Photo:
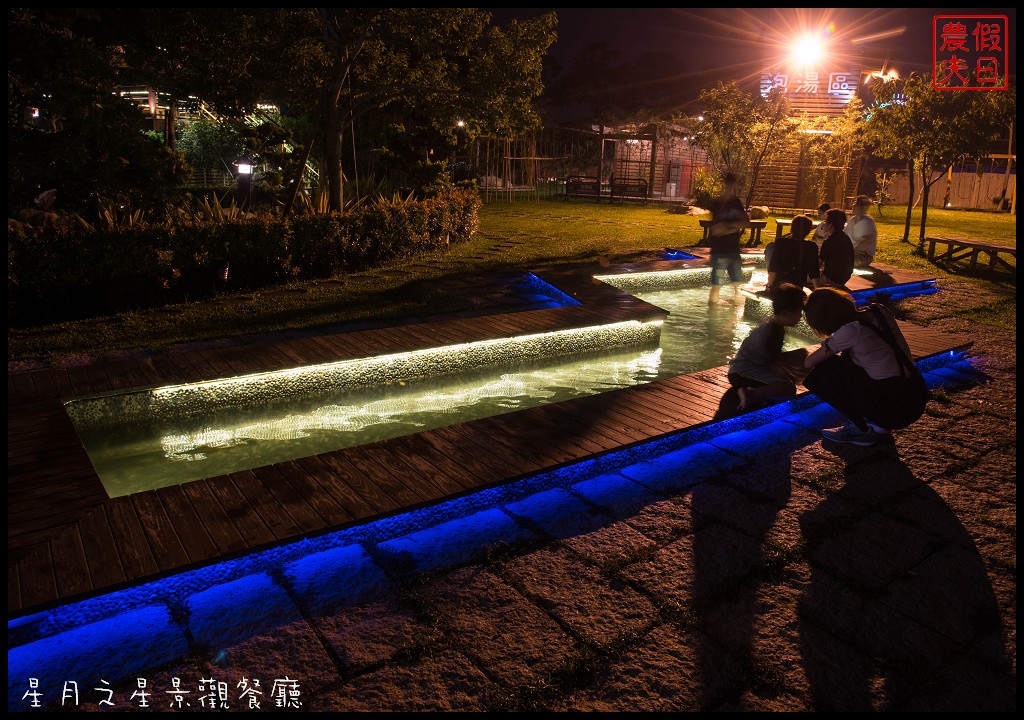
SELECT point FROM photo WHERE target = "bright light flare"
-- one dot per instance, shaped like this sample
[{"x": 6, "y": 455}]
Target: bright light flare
[{"x": 808, "y": 51}]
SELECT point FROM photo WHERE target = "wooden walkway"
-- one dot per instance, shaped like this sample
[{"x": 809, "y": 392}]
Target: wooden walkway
[{"x": 67, "y": 540}]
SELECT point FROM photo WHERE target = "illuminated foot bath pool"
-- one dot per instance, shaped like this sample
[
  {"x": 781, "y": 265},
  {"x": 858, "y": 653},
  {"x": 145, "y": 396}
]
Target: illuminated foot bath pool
[{"x": 171, "y": 435}]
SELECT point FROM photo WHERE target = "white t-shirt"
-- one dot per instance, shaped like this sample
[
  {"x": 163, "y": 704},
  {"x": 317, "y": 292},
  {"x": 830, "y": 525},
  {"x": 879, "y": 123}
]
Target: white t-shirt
[
  {"x": 868, "y": 349},
  {"x": 863, "y": 234},
  {"x": 819, "y": 234}
]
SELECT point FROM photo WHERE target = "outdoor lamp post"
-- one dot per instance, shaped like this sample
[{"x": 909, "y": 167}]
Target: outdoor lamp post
[{"x": 244, "y": 165}]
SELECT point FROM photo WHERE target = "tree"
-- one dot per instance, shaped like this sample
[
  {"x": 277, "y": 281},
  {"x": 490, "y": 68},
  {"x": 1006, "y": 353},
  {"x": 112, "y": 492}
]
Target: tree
[
  {"x": 831, "y": 144},
  {"x": 424, "y": 68},
  {"x": 740, "y": 131},
  {"x": 66, "y": 128},
  {"x": 931, "y": 129},
  {"x": 417, "y": 70}
]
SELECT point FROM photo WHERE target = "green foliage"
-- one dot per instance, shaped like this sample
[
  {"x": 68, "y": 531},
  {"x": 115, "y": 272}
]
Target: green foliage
[
  {"x": 828, "y": 143},
  {"x": 931, "y": 129},
  {"x": 213, "y": 210},
  {"x": 741, "y": 131},
  {"x": 413, "y": 73},
  {"x": 883, "y": 181},
  {"x": 112, "y": 217},
  {"x": 316, "y": 205},
  {"x": 85, "y": 141},
  {"x": 122, "y": 262},
  {"x": 210, "y": 144},
  {"x": 321, "y": 245},
  {"x": 72, "y": 274},
  {"x": 706, "y": 187}
]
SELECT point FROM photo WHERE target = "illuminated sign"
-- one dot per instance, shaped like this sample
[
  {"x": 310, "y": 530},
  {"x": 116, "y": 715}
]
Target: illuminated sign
[
  {"x": 970, "y": 52},
  {"x": 840, "y": 86}
]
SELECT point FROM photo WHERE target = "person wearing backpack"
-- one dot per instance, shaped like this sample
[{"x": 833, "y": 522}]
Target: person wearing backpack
[{"x": 863, "y": 368}]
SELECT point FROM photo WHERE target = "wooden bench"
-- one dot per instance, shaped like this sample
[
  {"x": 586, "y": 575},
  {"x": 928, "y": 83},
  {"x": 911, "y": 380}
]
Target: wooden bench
[
  {"x": 583, "y": 186},
  {"x": 960, "y": 248},
  {"x": 784, "y": 226},
  {"x": 629, "y": 190},
  {"x": 755, "y": 227}
]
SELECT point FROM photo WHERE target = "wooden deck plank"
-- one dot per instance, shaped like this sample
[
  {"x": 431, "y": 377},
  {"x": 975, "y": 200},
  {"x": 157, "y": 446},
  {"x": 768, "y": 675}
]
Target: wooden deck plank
[
  {"x": 70, "y": 567},
  {"x": 573, "y": 432},
  {"x": 218, "y": 363},
  {"x": 444, "y": 470},
  {"x": 36, "y": 576},
  {"x": 333, "y": 349},
  {"x": 603, "y": 422},
  {"x": 297, "y": 507},
  {"x": 22, "y": 384},
  {"x": 222, "y": 532},
  {"x": 314, "y": 352},
  {"x": 421, "y": 477},
  {"x": 653, "y": 424},
  {"x": 248, "y": 523},
  {"x": 273, "y": 515},
  {"x": 581, "y": 432},
  {"x": 80, "y": 381},
  {"x": 344, "y": 346},
  {"x": 287, "y": 349},
  {"x": 276, "y": 359},
  {"x": 321, "y": 499},
  {"x": 160, "y": 530},
  {"x": 467, "y": 458},
  {"x": 101, "y": 556},
  {"x": 175, "y": 369},
  {"x": 519, "y": 430},
  {"x": 394, "y": 489},
  {"x": 136, "y": 374},
  {"x": 61, "y": 380},
  {"x": 348, "y": 485},
  {"x": 617, "y": 405},
  {"x": 659, "y": 395},
  {"x": 196, "y": 366},
  {"x": 190, "y": 529},
  {"x": 493, "y": 454},
  {"x": 13, "y": 587}
]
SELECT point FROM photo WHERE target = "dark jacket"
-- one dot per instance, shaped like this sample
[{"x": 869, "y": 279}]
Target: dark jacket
[
  {"x": 794, "y": 261},
  {"x": 837, "y": 257}
]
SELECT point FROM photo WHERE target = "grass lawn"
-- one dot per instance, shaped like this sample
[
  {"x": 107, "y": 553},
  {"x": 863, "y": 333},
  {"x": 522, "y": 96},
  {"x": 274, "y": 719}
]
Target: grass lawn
[{"x": 513, "y": 237}]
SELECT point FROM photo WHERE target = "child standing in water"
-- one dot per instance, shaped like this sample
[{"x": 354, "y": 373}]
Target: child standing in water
[{"x": 756, "y": 371}]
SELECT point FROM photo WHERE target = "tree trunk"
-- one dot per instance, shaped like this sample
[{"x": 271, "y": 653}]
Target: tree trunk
[
  {"x": 170, "y": 125},
  {"x": 910, "y": 201},
  {"x": 328, "y": 101},
  {"x": 924, "y": 206},
  {"x": 334, "y": 132}
]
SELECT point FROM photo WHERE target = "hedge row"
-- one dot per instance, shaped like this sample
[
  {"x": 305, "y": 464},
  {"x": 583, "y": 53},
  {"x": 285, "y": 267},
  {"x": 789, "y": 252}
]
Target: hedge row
[{"x": 75, "y": 273}]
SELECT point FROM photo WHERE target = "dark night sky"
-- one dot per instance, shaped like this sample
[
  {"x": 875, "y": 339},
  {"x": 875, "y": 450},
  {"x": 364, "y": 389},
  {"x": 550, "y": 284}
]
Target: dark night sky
[{"x": 736, "y": 41}]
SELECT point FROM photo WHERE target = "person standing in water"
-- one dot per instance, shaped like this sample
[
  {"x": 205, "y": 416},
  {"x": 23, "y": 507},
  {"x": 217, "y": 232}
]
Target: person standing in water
[{"x": 728, "y": 220}]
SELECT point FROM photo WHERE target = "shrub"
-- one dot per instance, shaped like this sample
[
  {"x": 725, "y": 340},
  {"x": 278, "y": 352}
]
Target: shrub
[
  {"x": 122, "y": 262},
  {"x": 705, "y": 189},
  {"x": 320, "y": 245}
]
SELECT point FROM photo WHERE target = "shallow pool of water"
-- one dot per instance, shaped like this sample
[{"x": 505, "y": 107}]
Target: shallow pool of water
[{"x": 157, "y": 449}]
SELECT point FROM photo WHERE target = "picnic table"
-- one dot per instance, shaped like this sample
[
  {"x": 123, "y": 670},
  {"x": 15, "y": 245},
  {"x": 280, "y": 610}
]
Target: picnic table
[
  {"x": 960, "y": 248},
  {"x": 782, "y": 226},
  {"x": 755, "y": 227}
]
